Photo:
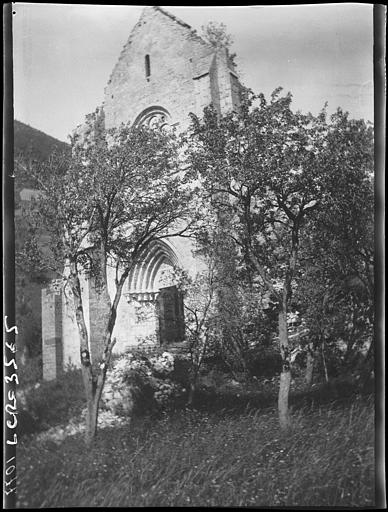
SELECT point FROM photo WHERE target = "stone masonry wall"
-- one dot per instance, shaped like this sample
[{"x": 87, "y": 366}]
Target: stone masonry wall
[
  {"x": 127, "y": 330},
  {"x": 52, "y": 352},
  {"x": 180, "y": 63}
]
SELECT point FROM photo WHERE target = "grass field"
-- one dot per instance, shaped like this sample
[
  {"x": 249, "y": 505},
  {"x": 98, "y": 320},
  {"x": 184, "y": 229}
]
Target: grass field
[{"x": 197, "y": 458}]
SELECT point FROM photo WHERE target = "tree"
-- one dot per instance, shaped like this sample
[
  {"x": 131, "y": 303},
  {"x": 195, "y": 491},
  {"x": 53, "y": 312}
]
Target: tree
[
  {"x": 200, "y": 298},
  {"x": 101, "y": 208},
  {"x": 350, "y": 191},
  {"x": 202, "y": 291},
  {"x": 338, "y": 288},
  {"x": 267, "y": 166},
  {"x": 221, "y": 302},
  {"x": 217, "y": 36}
]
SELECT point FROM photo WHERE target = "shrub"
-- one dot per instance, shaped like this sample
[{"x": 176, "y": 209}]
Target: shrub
[
  {"x": 141, "y": 382},
  {"x": 26, "y": 424},
  {"x": 264, "y": 361},
  {"x": 182, "y": 369}
]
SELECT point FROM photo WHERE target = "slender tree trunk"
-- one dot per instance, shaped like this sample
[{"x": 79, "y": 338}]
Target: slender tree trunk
[
  {"x": 324, "y": 361},
  {"x": 351, "y": 342},
  {"x": 367, "y": 366},
  {"x": 285, "y": 376},
  {"x": 91, "y": 419},
  {"x": 193, "y": 380},
  {"x": 100, "y": 281},
  {"x": 370, "y": 350},
  {"x": 309, "y": 365},
  {"x": 86, "y": 366},
  {"x": 196, "y": 362},
  {"x": 99, "y": 380},
  {"x": 94, "y": 381},
  {"x": 192, "y": 391}
]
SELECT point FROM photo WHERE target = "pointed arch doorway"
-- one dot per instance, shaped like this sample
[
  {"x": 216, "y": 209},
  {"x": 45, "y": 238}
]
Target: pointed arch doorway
[
  {"x": 170, "y": 314},
  {"x": 157, "y": 304}
]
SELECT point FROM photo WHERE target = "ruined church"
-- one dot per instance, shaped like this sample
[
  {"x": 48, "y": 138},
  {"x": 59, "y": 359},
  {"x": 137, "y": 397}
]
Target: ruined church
[{"x": 164, "y": 72}]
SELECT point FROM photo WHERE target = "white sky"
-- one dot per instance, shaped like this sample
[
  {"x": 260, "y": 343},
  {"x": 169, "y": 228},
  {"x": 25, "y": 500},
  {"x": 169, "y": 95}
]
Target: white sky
[{"x": 64, "y": 55}]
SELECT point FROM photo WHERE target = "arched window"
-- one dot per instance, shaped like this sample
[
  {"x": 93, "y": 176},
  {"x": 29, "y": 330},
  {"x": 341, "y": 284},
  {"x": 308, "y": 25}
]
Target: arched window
[
  {"x": 147, "y": 63},
  {"x": 153, "y": 117}
]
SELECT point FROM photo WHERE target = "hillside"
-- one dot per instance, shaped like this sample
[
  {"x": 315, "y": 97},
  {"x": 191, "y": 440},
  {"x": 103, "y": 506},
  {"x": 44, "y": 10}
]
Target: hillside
[
  {"x": 30, "y": 144},
  {"x": 37, "y": 145}
]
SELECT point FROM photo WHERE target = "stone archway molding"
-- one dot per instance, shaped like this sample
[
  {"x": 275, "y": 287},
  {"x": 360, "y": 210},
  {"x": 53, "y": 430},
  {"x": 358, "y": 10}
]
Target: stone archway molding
[
  {"x": 153, "y": 116},
  {"x": 142, "y": 279}
]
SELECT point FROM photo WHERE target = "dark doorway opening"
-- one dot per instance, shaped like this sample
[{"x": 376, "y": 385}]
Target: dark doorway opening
[{"x": 171, "y": 315}]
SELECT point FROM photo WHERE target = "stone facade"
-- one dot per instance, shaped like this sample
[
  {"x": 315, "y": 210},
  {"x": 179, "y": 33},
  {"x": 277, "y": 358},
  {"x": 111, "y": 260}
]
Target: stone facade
[
  {"x": 185, "y": 73},
  {"x": 52, "y": 339},
  {"x": 165, "y": 72}
]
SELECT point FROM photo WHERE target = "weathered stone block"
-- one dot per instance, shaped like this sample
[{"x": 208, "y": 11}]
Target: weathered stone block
[{"x": 52, "y": 353}]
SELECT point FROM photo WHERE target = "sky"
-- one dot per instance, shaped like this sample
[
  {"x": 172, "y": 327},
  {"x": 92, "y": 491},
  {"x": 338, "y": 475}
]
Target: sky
[{"x": 64, "y": 54}]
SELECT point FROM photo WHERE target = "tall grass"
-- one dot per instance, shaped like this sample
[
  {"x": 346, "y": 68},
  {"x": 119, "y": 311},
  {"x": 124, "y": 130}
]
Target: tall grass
[
  {"x": 195, "y": 458},
  {"x": 52, "y": 403}
]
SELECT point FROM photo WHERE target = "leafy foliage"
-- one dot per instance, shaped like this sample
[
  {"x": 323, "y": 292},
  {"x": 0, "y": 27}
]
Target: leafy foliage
[
  {"x": 265, "y": 159},
  {"x": 101, "y": 207},
  {"x": 108, "y": 192},
  {"x": 141, "y": 382},
  {"x": 276, "y": 177},
  {"x": 217, "y": 36},
  {"x": 337, "y": 289}
]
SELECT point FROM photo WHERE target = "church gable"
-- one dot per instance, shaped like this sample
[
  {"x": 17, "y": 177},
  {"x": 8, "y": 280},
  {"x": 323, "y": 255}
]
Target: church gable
[
  {"x": 164, "y": 64},
  {"x": 164, "y": 72}
]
